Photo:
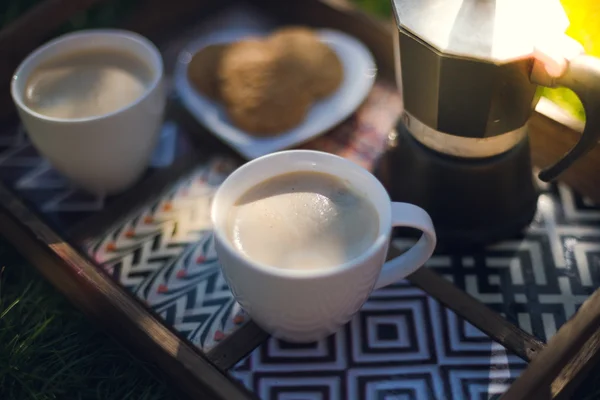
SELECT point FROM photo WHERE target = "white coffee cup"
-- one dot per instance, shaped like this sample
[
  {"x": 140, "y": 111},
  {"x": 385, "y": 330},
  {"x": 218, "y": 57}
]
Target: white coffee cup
[
  {"x": 307, "y": 305},
  {"x": 104, "y": 154}
]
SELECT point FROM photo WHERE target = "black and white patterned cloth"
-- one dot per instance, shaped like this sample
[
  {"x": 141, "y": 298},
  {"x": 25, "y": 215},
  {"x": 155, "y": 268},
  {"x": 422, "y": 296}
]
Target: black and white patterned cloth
[
  {"x": 537, "y": 281},
  {"x": 402, "y": 345}
]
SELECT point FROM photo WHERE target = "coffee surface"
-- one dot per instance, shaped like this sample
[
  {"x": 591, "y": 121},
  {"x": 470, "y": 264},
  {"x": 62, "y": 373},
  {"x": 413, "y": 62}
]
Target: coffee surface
[
  {"x": 87, "y": 83},
  {"x": 303, "y": 220}
]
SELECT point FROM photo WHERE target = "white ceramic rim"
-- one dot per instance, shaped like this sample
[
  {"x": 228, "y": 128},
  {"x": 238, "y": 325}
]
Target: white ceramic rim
[
  {"x": 385, "y": 224},
  {"x": 125, "y": 35}
]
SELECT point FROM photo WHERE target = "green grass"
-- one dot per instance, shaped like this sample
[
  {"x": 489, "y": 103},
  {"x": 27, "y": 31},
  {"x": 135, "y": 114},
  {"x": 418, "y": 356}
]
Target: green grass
[{"x": 49, "y": 350}]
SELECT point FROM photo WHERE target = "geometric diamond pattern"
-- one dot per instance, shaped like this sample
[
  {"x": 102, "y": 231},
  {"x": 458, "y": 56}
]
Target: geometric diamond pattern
[
  {"x": 537, "y": 281},
  {"x": 401, "y": 345}
]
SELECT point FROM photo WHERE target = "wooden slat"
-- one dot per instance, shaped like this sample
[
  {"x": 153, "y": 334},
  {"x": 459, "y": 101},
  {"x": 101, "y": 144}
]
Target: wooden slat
[
  {"x": 524, "y": 345},
  {"x": 488, "y": 321},
  {"x": 535, "y": 382},
  {"x": 577, "y": 369},
  {"x": 237, "y": 345}
]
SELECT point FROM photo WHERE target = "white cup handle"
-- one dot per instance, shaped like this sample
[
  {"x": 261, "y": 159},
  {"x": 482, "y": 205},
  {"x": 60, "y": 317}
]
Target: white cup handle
[{"x": 409, "y": 215}]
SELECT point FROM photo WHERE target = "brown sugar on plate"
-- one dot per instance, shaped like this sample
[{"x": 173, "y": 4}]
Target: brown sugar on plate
[
  {"x": 318, "y": 63},
  {"x": 267, "y": 84},
  {"x": 262, "y": 90}
]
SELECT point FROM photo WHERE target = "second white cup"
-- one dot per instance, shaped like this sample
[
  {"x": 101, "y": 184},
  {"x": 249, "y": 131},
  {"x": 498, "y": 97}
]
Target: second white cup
[{"x": 108, "y": 153}]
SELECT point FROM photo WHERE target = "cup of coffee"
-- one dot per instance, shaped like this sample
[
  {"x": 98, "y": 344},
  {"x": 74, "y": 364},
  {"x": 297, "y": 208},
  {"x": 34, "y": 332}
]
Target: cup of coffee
[
  {"x": 302, "y": 237},
  {"x": 92, "y": 103}
]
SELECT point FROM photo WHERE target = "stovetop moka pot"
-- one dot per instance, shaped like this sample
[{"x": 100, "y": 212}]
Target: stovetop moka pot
[{"x": 469, "y": 71}]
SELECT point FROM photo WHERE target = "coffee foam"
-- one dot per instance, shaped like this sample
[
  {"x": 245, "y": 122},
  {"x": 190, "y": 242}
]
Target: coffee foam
[
  {"x": 302, "y": 220},
  {"x": 86, "y": 84}
]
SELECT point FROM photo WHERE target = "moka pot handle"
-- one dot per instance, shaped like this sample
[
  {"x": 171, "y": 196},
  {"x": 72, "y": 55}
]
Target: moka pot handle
[{"x": 581, "y": 74}]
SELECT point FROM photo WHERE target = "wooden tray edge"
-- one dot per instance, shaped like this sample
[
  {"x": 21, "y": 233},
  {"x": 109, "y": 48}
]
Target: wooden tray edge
[
  {"x": 551, "y": 373},
  {"x": 114, "y": 310}
]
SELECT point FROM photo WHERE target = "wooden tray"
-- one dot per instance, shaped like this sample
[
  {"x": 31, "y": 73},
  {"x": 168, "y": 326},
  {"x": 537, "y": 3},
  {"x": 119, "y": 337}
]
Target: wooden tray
[{"x": 142, "y": 265}]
